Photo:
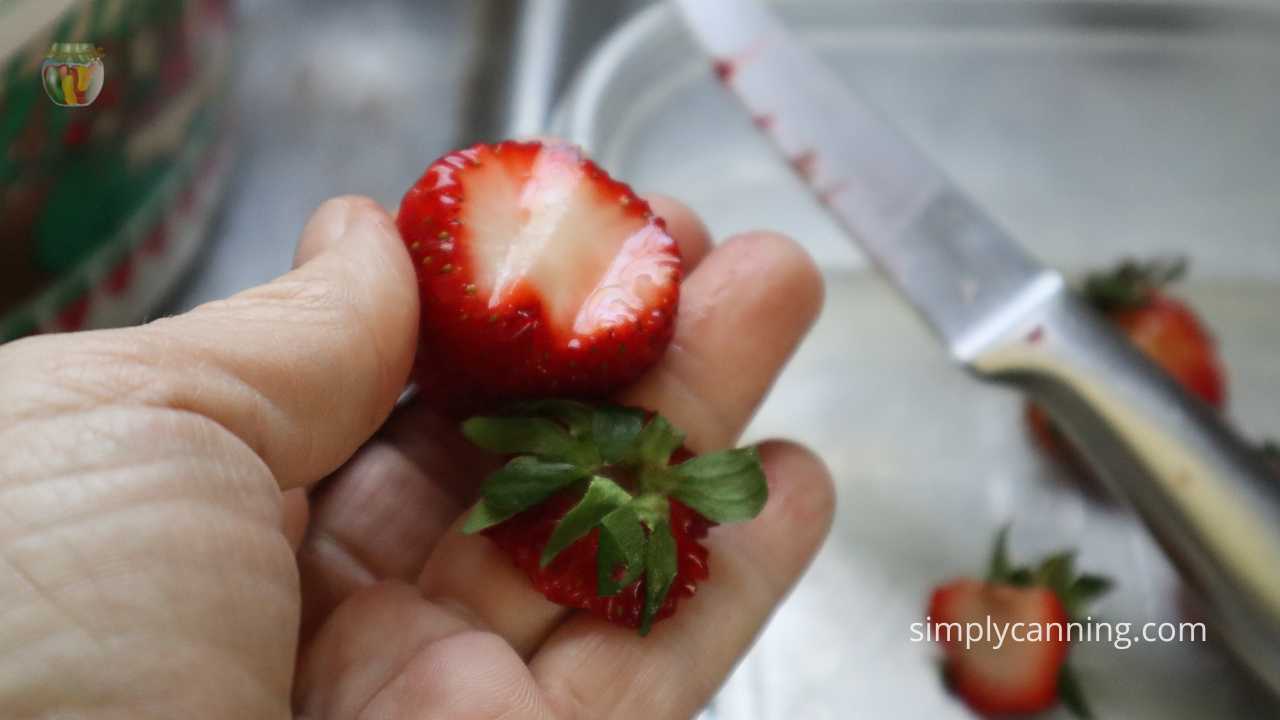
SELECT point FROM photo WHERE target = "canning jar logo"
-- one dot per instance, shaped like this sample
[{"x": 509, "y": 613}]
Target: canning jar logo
[{"x": 73, "y": 74}]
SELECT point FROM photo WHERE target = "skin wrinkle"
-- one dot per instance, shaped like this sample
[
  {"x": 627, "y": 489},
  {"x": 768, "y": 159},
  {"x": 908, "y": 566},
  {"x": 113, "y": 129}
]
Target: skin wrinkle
[
  {"x": 331, "y": 301},
  {"x": 711, "y": 413},
  {"x": 109, "y": 364},
  {"x": 54, "y": 477},
  {"x": 327, "y": 543},
  {"x": 50, "y": 598},
  {"x": 169, "y": 381},
  {"x": 436, "y": 664},
  {"x": 256, "y": 408},
  {"x": 377, "y": 466},
  {"x": 525, "y": 646},
  {"x": 386, "y": 598},
  {"x": 234, "y": 524},
  {"x": 568, "y": 699},
  {"x": 409, "y": 298},
  {"x": 247, "y": 511}
]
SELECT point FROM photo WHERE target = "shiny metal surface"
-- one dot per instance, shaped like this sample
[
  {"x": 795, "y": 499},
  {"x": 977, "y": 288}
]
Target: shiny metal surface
[
  {"x": 336, "y": 97},
  {"x": 1091, "y": 130},
  {"x": 331, "y": 98},
  {"x": 1208, "y": 497},
  {"x": 959, "y": 269}
]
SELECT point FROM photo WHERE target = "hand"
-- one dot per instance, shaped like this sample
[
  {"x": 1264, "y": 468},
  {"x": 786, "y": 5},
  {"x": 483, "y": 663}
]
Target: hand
[{"x": 194, "y": 520}]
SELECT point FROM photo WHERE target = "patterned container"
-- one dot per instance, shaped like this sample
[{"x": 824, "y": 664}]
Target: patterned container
[{"x": 113, "y": 151}]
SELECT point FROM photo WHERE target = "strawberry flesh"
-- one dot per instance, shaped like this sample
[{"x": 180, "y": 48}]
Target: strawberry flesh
[
  {"x": 570, "y": 579},
  {"x": 539, "y": 275},
  {"x": 1019, "y": 677},
  {"x": 1171, "y": 334}
]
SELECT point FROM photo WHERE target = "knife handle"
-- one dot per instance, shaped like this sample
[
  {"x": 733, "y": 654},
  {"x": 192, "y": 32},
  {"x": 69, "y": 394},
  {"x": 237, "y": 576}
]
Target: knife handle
[{"x": 1207, "y": 496}]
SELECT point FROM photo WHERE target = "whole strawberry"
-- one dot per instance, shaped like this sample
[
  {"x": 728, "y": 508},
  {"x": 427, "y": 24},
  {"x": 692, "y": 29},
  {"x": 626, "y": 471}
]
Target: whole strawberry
[
  {"x": 1167, "y": 330},
  {"x": 604, "y": 507},
  {"x": 1000, "y": 674},
  {"x": 539, "y": 276}
]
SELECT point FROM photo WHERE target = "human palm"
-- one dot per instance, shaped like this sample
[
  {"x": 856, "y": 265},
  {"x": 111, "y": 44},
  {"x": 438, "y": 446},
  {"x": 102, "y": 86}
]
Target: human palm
[{"x": 171, "y": 549}]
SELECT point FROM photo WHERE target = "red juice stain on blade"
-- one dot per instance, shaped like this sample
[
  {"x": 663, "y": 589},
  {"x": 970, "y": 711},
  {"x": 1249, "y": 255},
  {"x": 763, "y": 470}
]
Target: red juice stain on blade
[
  {"x": 763, "y": 122},
  {"x": 723, "y": 69},
  {"x": 726, "y": 67},
  {"x": 830, "y": 193},
  {"x": 805, "y": 164}
]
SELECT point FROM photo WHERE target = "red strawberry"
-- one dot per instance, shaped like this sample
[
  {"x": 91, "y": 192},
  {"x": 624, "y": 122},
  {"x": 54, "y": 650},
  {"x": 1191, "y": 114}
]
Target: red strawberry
[
  {"x": 539, "y": 276},
  {"x": 1133, "y": 298},
  {"x": 1012, "y": 668},
  {"x": 604, "y": 508},
  {"x": 1019, "y": 677},
  {"x": 571, "y": 578}
]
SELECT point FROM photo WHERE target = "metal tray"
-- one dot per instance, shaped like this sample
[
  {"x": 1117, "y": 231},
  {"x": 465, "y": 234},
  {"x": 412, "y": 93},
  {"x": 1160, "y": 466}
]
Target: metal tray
[{"x": 1093, "y": 131}]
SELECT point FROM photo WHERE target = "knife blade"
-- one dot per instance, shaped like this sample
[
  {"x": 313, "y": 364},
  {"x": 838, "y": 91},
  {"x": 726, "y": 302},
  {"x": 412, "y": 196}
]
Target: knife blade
[
  {"x": 1206, "y": 494},
  {"x": 959, "y": 269}
]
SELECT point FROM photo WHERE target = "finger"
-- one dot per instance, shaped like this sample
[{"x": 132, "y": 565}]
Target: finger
[
  {"x": 381, "y": 514},
  {"x": 591, "y": 669},
  {"x": 685, "y": 227},
  {"x": 743, "y": 313},
  {"x": 302, "y": 369},
  {"x": 388, "y": 653},
  {"x": 733, "y": 335},
  {"x": 295, "y": 511}
]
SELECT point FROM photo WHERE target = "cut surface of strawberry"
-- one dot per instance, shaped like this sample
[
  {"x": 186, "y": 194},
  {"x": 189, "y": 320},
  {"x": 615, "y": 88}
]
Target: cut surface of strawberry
[
  {"x": 604, "y": 508},
  {"x": 539, "y": 275},
  {"x": 1015, "y": 677},
  {"x": 1017, "y": 663}
]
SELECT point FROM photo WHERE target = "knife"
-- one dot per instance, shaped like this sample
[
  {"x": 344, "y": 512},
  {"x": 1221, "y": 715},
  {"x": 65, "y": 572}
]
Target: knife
[{"x": 1208, "y": 497}]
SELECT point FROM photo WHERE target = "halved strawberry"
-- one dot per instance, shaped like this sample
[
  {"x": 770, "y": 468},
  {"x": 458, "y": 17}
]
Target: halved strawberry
[
  {"x": 539, "y": 276},
  {"x": 1018, "y": 677},
  {"x": 604, "y": 508},
  {"x": 1006, "y": 671},
  {"x": 1167, "y": 330}
]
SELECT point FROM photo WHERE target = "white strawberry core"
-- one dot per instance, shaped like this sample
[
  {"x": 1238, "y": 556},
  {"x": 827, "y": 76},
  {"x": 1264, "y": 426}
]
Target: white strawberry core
[{"x": 594, "y": 263}]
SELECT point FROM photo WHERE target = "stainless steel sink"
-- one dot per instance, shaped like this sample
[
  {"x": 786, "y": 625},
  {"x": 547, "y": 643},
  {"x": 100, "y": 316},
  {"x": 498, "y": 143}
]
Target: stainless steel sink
[
  {"x": 338, "y": 97},
  {"x": 1092, "y": 130}
]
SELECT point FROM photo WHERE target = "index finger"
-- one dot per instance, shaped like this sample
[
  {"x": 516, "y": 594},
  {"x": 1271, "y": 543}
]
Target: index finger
[{"x": 742, "y": 314}]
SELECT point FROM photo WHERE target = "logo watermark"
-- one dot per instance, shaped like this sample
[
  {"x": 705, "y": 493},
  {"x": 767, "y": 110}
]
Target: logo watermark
[
  {"x": 73, "y": 74},
  {"x": 994, "y": 634}
]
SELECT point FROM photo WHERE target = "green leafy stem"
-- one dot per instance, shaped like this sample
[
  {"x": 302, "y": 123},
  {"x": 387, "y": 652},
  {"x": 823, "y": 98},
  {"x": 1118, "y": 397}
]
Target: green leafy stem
[{"x": 618, "y": 458}]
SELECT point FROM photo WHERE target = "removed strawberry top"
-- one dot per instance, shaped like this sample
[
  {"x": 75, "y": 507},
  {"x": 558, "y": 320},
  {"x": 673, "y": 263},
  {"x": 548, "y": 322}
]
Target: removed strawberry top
[
  {"x": 539, "y": 275},
  {"x": 604, "y": 507}
]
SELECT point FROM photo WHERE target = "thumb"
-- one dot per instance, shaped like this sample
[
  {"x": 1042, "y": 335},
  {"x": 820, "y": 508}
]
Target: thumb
[{"x": 303, "y": 369}]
